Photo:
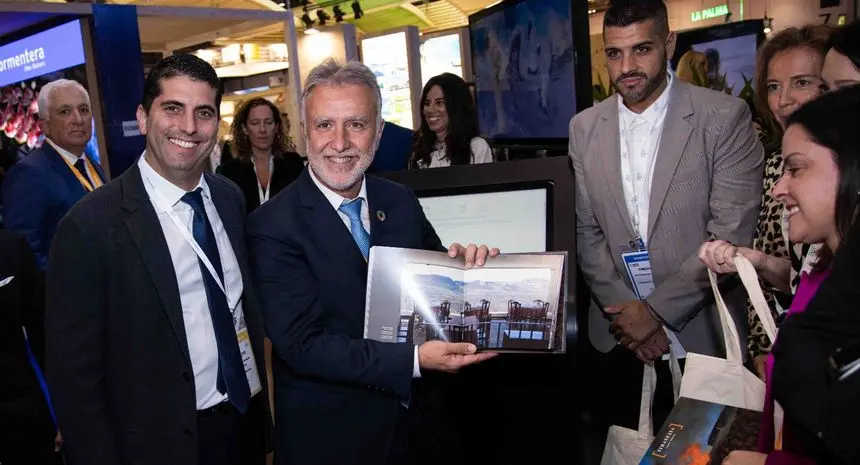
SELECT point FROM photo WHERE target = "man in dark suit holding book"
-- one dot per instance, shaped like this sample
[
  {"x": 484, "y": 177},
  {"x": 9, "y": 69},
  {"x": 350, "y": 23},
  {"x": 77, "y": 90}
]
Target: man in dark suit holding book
[{"x": 339, "y": 398}]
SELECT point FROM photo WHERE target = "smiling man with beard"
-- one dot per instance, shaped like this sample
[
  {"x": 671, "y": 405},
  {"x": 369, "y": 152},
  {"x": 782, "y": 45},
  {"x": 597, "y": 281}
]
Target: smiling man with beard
[
  {"x": 154, "y": 336},
  {"x": 660, "y": 167},
  {"x": 339, "y": 398}
]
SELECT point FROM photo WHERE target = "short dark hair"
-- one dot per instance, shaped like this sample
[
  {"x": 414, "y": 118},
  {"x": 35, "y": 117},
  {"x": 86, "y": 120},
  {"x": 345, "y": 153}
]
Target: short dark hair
[
  {"x": 622, "y": 13},
  {"x": 190, "y": 66},
  {"x": 832, "y": 121},
  {"x": 846, "y": 40}
]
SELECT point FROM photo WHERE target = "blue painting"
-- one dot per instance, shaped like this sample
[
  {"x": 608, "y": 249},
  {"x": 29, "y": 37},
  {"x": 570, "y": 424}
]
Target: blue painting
[{"x": 524, "y": 70}]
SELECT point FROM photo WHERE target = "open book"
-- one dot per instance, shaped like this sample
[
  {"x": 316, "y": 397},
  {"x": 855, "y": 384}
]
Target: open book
[{"x": 515, "y": 302}]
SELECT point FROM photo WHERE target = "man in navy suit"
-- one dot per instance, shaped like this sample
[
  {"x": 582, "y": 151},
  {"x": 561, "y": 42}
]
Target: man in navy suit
[
  {"x": 339, "y": 398},
  {"x": 42, "y": 187},
  {"x": 154, "y": 338}
]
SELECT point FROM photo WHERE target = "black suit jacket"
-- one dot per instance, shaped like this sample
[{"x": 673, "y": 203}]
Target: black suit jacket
[
  {"x": 823, "y": 410},
  {"x": 286, "y": 169},
  {"x": 117, "y": 355},
  {"x": 21, "y": 305},
  {"x": 337, "y": 395}
]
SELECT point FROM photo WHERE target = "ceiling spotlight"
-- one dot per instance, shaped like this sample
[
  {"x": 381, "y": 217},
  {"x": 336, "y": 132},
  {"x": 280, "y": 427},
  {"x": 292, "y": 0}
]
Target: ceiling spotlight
[
  {"x": 356, "y": 10},
  {"x": 338, "y": 13},
  {"x": 306, "y": 18},
  {"x": 767, "y": 25},
  {"x": 322, "y": 16}
]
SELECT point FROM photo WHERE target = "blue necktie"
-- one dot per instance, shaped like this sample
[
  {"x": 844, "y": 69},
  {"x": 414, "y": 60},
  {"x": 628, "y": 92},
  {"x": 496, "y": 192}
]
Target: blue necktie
[
  {"x": 231, "y": 372},
  {"x": 352, "y": 209}
]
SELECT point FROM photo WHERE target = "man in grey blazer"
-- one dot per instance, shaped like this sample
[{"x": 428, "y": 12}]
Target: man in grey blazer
[{"x": 660, "y": 167}]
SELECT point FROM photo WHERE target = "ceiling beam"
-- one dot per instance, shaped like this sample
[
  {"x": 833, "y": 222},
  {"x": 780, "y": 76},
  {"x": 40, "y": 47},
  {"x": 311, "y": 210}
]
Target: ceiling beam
[
  {"x": 246, "y": 28},
  {"x": 418, "y": 12}
]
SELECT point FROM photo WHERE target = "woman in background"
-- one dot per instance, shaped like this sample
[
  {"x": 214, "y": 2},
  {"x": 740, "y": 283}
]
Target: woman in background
[
  {"x": 262, "y": 164},
  {"x": 449, "y": 126},
  {"x": 842, "y": 64},
  {"x": 788, "y": 74}
]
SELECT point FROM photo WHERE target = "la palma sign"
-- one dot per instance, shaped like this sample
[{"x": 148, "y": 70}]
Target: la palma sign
[{"x": 709, "y": 13}]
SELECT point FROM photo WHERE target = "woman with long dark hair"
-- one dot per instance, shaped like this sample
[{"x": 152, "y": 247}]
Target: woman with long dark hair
[
  {"x": 449, "y": 126},
  {"x": 263, "y": 163},
  {"x": 820, "y": 189},
  {"x": 842, "y": 63}
]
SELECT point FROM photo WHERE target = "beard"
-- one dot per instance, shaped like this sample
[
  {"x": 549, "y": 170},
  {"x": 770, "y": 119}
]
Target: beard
[
  {"x": 634, "y": 96},
  {"x": 336, "y": 178}
]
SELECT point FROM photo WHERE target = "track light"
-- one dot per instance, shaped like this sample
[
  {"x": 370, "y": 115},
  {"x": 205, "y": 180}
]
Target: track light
[
  {"x": 322, "y": 16},
  {"x": 338, "y": 13},
  {"x": 767, "y": 25},
  {"x": 356, "y": 10}
]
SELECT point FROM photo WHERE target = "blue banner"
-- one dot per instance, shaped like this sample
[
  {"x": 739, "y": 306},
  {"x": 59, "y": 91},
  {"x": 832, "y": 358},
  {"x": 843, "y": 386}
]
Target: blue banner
[{"x": 57, "y": 48}]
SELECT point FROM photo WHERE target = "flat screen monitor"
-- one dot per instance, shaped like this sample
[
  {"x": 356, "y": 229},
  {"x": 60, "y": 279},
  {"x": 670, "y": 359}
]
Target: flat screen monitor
[
  {"x": 719, "y": 57},
  {"x": 513, "y": 217},
  {"x": 527, "y": 76}
]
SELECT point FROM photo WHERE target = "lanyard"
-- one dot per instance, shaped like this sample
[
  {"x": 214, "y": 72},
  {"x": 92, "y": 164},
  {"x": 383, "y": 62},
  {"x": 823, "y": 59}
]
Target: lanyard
[
  {"x": 168, "y": 209},
  {"x": 90, "y": 170},
  {"x": 264, "y": 193}
]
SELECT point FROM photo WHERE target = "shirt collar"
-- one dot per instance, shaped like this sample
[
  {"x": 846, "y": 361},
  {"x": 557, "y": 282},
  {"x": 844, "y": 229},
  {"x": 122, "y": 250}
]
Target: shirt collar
[
  {"x": 651, "y": 114},
  {"x": 168, "y": 193},
  {"x": 69, "y": 156},
  {"x": 335, "y": 199}
]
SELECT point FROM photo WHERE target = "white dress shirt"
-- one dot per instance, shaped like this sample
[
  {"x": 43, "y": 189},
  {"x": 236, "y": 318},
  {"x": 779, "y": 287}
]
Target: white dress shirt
[
  {"x": 336, "y": 200},
  {"x": 69, "y": 156},
  {"x": 640, "y": 135},
  {"x": 199, "y": 331}
]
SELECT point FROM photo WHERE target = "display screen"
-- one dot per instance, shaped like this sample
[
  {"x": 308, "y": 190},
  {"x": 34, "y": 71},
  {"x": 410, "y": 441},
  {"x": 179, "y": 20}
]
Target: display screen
[
  {"x": 440, "y": 55},
  {"x": 719, "y": 57},
  {"x": 523, "y": 56},
  {"x": 726, "y": 64},
  {"x": 52, "y": 50},
  {"x": 386, "y": 56},
  {"x": 512, "y": 220}
]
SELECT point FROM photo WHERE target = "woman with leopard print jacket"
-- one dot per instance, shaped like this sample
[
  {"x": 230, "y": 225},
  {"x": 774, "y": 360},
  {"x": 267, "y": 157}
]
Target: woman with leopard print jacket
[{"x": 788, "y": 74}]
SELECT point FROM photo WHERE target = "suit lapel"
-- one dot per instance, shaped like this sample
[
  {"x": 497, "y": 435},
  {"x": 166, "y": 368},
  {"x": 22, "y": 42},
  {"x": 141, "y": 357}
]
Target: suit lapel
[
  {"x": 231, "y": 216},
  {"x": 145, "y": 229},
  {"x": 609, "y": 146},
  {"x": 64, "y": 171},
  {"x": 327, "y": 224},
  {"x": 673, "y": 143},
  {"x": 379, "y": 207}
]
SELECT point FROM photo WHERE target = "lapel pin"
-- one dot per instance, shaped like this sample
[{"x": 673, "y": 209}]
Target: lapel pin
[{"x": 380, "y": 215}]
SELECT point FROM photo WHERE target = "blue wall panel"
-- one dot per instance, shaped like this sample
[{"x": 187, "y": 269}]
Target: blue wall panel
[{"x": 119, "y": 65}]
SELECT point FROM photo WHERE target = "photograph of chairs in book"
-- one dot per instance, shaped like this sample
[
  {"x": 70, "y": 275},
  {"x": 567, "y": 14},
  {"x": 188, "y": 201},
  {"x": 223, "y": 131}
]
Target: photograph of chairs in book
[
  {"x": 491, "y": 308},
  {"x": 514, "y": 303},
  {"x": 702, "y": 433}
]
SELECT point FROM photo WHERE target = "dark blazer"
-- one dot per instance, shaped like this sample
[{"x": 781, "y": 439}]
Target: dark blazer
[
  {"x": 804, "y": 383},
  {"x": 286, "y": 170},
  {"x": 117, "y": 355},
  {"x": 337, "y": 395},
  {"x": 395, "y": 148},
  {"x": 37, "y": 192},
  {"x": 21, "y": 304}
]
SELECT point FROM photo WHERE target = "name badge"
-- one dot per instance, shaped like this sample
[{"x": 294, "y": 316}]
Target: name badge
[
  {"x": 638, "y": 265},
  {"x": 246, "y": 351}
]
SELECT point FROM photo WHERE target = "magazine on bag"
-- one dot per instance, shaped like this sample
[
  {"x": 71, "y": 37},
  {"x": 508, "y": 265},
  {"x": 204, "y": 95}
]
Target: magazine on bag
[
  {"x": 701, "y": 433},
  {"x": 514, "y": 303}
]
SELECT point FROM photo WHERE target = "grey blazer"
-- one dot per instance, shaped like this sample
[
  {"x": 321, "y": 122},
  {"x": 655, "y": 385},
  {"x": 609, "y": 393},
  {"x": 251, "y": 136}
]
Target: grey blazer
[{"x": 707, "y": 184}]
